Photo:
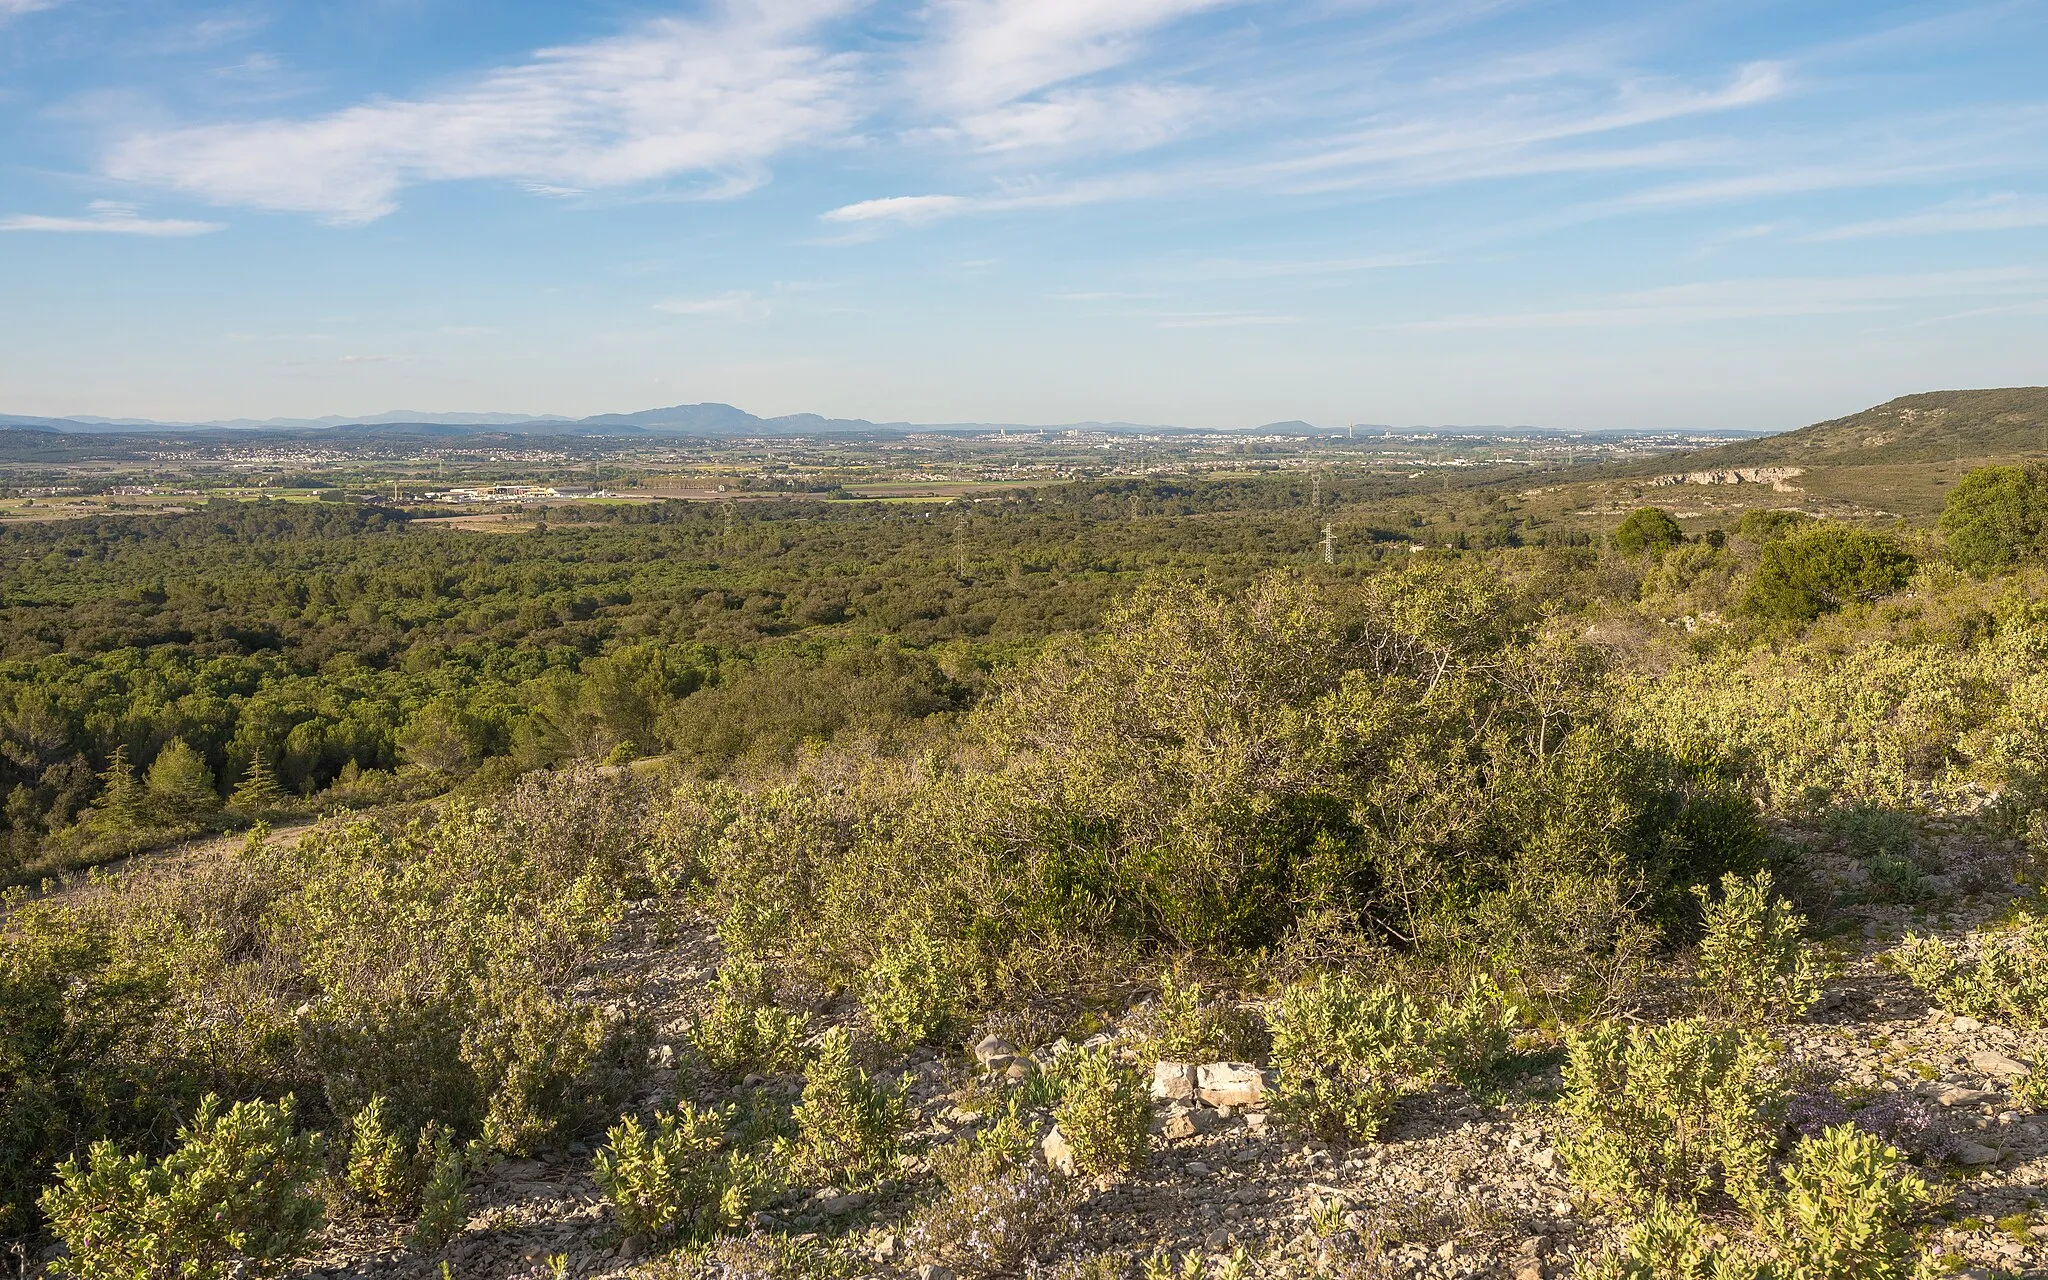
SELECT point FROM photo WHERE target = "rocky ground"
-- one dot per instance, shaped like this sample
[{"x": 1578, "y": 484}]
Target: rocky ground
[{"x": 1457, "y": 1186}]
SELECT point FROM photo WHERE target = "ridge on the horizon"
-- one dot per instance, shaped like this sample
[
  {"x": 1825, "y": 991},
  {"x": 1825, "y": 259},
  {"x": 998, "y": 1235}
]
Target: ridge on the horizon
[{"x": 711, "y": 419}]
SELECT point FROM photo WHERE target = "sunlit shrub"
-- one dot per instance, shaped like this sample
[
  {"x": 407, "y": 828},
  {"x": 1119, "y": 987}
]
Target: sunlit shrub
[
  {"x": 1678, "y": 1110},
  {"x": 1187, "y": 1024},
  {"x": 679, "y": 1179},
  {"x": 996, "y": 1207},
  {"x": 1104, "y": 1113},
  {"x": 1845, "y": 1210},
  {"x": 1755, "y": 965},
  {"x": 910, "y": 991},
  {"x": 2003, "y": 977},
  {"x": 1344, "y": 1052},
  {"x": 745, "y": 1030},
  {"x": 846, "y": 1123},
  {"x": 1470, "y": 1035},
  {"x": 230, "y": 1200}
]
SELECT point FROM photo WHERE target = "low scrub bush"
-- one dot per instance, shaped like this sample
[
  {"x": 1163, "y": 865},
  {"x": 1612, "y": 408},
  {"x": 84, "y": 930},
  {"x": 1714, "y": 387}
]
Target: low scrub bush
[
  {"x": 1344, "y": 1052},
  {"x": 2004, "y": 977},
  {"x": 996, "y": 1208},
  {"x": 1104, "y": 1113},
  {"x": 846, "y": 1124},
  {"x": 911, "y": 991},
  {"x": 1187, "y": 1024},
  {"x": 1844, "y": 1213},
  {"x": 230, "y": 1200},
  {"x": 1755, "y": 966},
  {"x": 386, "y": 1169},
  {"x": 745, "y": 1030},
  {"x": 1471, "y": 1034},
  {"x": 679, "y": 1179},
  {"x": 444, "y": 1198},
  {"x": 1679, "y": 1111}
]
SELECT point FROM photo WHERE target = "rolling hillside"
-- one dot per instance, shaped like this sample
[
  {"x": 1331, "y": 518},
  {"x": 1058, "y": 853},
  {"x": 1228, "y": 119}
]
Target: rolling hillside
[{"x": 1934, "y": 426}]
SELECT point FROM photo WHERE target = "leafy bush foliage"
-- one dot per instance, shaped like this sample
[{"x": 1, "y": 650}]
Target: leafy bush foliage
[
  {"x": 444, "y": 1202},
  {"x": 1105, "y": 1113},
  {"x": 1755, "y": 965},
  {"x": 680, "y": 1179},
  {"x": 2003, "y": 977},
  {"x": 1824, "y": 567},
  {"x": 996, "y": 1208},
  {"x": 1186, "y": 1025},
  {"x": 1344, "y": 1052},
  {"x": 846, "y": 1124},
  {"x": 1668, "y": 1243},
  {"x": 231, "y": 1199},
  {"x": 1471, "y": 1034},
  {"x": 745, "y": 1030},
  {"x": 1678, "y": 1110},
  {"x": 1996, "y": 518},
  {"x": 1844, "y": 1213},
  {"x": 910, "y": 990},
  {"x": 1647, "y": 529}
]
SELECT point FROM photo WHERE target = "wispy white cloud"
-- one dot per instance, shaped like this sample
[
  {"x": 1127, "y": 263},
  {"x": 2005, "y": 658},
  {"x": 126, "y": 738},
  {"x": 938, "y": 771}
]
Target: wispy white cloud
[
  {"x": 1754, "y": 299},
  {"x": 715, "y": 98},
  {"x": 740, "y": 303},
  {"x": 14, "y": 8},
  {"x": 109, "y": 217},
  {"x": 1220, "y": 319},
  {"x": 2003, "y": 212}
]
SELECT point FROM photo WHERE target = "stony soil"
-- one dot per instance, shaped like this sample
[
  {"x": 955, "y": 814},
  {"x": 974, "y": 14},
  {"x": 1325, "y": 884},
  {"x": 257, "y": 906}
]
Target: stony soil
[{"x": 1456, "y": 1187}]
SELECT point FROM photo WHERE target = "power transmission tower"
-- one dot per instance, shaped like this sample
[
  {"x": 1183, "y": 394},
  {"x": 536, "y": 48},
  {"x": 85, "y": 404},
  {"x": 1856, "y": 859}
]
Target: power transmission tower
[
  {"x": 1329, "y": 543},
  {"x": 960, "y": 546}
]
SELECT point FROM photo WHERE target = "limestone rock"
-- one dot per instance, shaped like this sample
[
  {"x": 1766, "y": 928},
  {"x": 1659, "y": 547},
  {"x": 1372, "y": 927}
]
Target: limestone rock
[
  {"x": 1975, "y": 1153},
  {"x": 991, "y": 1048},
  {"x": 1058, "y": 1154},
  {"x": 1998, "y": 1066},
  {"x": 1232, "y": 1084},
  {"x": 1173, "y": 1081}
]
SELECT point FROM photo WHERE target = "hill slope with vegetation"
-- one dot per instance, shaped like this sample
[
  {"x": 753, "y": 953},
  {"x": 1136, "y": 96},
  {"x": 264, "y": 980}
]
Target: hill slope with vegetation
[{"x": 1106, "y": 887}]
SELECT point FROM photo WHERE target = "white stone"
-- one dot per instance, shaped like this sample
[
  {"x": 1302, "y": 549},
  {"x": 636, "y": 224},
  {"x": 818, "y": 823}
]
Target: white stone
[
  {"x": 1998, "y": 1066},
  {"x": 1976, "y": 1153},
  {"x": 1059, "y": 1155},
  {"x": 1234, "y": 1084},
  {"x": 1173, "y": 1081}
]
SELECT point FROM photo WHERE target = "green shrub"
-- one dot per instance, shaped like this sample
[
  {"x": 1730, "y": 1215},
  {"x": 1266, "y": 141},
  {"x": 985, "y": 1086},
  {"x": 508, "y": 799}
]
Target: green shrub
[
  {"x": 1895, "y": 879},
  {"x": 910, "y": 991},
  {"x": 1344, "y": 1052},
  {"x": 1647, "y": 529},
  {"x": 1824, "y": 567},
  {"x": 680, "y": 1179},
  {"x": 1848, "y": 1202},
  {"x": 1105, "y": 1114},
  {"x": 229, "y": 1200},
  {"x": 1471, "y": 1034},
  {"x": 745, "y": 1030},
  {"x": 1669, "y": 1243},
  {"x": 2004, "y": 977},
  {"x": 996, "y": 1208},
  {"x": 846, "y": 1124},
  {"x": 1185, "y": 1025},
  {"x": 1996, "y": 518},
  {"x": 378, "y": 1174},
  {"x": 1755, "y": 965},
  {"x": 1869, "y": 831},
  {"x": 1679, "y": 1110},
  {"x": 444, "y": 1199}
]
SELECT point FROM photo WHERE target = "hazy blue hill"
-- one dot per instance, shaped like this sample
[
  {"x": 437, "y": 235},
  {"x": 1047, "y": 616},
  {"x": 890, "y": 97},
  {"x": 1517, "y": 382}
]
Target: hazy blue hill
[{"x": 1933, "y": 426}]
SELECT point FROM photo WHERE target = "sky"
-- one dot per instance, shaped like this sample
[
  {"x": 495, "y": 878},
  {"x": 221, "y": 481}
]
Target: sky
[{"x": 1218, "y": 213}]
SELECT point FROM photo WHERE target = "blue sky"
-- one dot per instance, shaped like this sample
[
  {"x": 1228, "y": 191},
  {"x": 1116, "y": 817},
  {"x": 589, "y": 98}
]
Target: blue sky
[{"x": 1217, "y": 213}]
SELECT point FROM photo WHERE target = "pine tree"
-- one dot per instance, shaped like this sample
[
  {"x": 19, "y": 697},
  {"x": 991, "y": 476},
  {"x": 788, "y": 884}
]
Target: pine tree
[
  {"x": 258, "y": 791},
  {"x": 180, "y": 783},
  {"x": 122, "y": 804}
]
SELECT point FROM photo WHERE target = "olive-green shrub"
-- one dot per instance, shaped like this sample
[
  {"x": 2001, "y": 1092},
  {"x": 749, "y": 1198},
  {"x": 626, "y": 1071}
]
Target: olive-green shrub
[
  {"x": 1755, "y": 965},
  {"x": 231, "y": 1199},
  {"x": 680, "y": 1179},
  {"x": 911, "y": 990},
  {"x": 846, "y": 1124},
  {"x": 1825, "y": 566},
  {"x": 1471, "y": 1034},
  {"x": 1678, "y": 1110},
  {"x": 1344, "y": 1052},
  {"x": 1104, "y": 1113},
  {"x": 745, "y": 1030},
  {"x": 2003, "y": 976},
  {"x": 996, "y": 1207},
  {"x": 1187, "y": 1024},
  {"x": 1844, "y": 1212}
]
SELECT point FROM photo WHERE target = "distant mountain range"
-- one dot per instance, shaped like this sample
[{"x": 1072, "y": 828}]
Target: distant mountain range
[{"x": 711, "y": 420}]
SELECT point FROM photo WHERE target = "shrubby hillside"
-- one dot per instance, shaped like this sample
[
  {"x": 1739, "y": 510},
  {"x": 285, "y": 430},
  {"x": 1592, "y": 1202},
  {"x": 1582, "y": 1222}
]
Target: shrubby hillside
[{"x": 1663, "y": 908}]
